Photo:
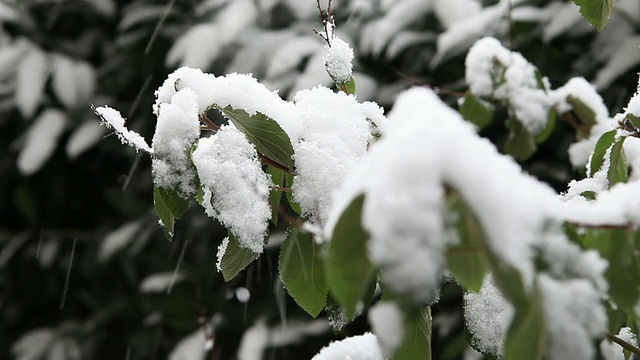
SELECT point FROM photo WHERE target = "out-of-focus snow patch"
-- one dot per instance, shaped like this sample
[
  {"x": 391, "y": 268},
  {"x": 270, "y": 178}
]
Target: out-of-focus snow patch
[{"x": 41, "y": 140}]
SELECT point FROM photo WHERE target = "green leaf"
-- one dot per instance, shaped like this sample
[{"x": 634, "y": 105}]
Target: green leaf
[
  {"x": 633, "y": 120},
  {"x": 596, "y": 11},
  {"x": 466, "y": 260},
  {"x": 527, "y": 336},
  {"x": 476, "y": 111},
  {"x": 597, "y": 158},
  {"x": 585, "y": 114},
  {"x": 619, "y": 247},
  {"x": 275, "y": 195},
  {"x": 548, "y": 129},
  {"x": 618, "y": 171},
  {"x": 302, "y": 272},
  {"x": 235, "y": 259},
  {"x": 349, "y": 270},
  {"x": 169, "y": 206},
  {"x": 520, "y": 144},
  {"x": 265, "y": 133},
  {"x": 417, "y": 336},
  {"x": 350, "y": 86}
]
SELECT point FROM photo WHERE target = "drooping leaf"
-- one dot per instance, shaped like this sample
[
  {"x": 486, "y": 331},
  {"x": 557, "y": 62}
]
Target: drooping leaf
[
  {"x": 275, "y": 195},
  {"x": 609, "y": 145},
  {"x": 476, "y": 111},
  {"x": 417, "y": 336},
  {"x": 166, "y": 217},
  {"x": 619, "y": 247},
  {"x": 596, "y": 11},
  {"x": 174, "y": 202},
  {"x": 302, "y": 272},
  {"x": 598, "y": 157},
  {"x": 235, "y": 259},
  {"x": 585, "y": 115},
  {"x": 520, "y": 144},
  {"x": 527, "y": 336},
  {"x": 350, "y": 86},
  {"x": 467, "y": 261},
  {"x": 265, "y": 133},
  {"x": 618, "y": 171},
  {"x": 633, "y": 120},
  {"x": 349, "y": 270}
]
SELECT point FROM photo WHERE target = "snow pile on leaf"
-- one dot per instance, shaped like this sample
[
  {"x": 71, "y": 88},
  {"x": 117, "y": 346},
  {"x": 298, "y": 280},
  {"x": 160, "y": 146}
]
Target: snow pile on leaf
[
  {"x": 334, "y": 136},
  {"x": 488, "y": 315},
  {"x": 235, "y": 187},
  {"x": 337, "y": 60},
  {"x": 177, "y": 130},
  {"x": 361, "y": 347}
]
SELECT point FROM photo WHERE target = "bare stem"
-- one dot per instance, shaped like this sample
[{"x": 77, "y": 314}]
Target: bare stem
[
  {"x": 268, "y": 161},
  {"x": 210, "y": 124}
]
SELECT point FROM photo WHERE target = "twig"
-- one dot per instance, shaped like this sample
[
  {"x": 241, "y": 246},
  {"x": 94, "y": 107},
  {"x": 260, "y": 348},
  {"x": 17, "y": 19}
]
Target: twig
[
  {"x": 280, "y": 188},
  {"x": 624, "y": 344},
  {"x": 627, "y": 226},
  {"x": 210, "y": 124},
  {"x": 268, "y": 161}
]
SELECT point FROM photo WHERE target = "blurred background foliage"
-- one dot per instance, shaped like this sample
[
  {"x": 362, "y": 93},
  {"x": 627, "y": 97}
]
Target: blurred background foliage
[{"x": 85, "y": 271}]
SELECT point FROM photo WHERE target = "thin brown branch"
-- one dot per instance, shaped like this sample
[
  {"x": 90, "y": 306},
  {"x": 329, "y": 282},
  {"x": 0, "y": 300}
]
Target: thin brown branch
[
  {"x": 288, "y": 218},
  {"x": 280, "y": 188},
  {"x": 208, "y": 123},
  {"x": 276, "y": 165},
  {"x": 624, "y": 344}
]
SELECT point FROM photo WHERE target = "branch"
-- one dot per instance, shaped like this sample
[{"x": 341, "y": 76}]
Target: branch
[
  {"x": 276, "y": 165},
  {"x": 210, "y": 124},
  {"x": 624, "y": 344}
]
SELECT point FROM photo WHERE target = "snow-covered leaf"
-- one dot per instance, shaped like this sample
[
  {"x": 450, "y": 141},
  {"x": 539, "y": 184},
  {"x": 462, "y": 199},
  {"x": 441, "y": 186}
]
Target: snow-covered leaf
[
  {"x": 32, "y": 74},
  {"x": 170, "y": 205},
  {"x": 527, "y": 337},
  {"x": 302, "y": 271},
  {"x": 41, "y": 140},
  {"x": 265, "y": 134},
  {"x": 476, "y": 110},
  {"x": 361, "y": 347},
  {"x": 83, "y": 138}
]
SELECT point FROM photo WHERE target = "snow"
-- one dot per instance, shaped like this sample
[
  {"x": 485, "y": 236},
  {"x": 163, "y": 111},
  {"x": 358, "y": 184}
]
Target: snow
[
  {"x": 290, "y": 54},
  {"x": 235, "y": 187},
  {"x": 387, "y": 322},
  {"x": 488, "y": 316},
  {"x": 573, "y": 315},
  {"x": 337, "y": 60},
  {"x": 242, "y": 294},
  {"x": 177, "y": 129},
  {"x": 493, "y": 71},
  {"x": 628, "y": 336},
  {"x": 582, "y": 90},
  {"x": 222, "y": 249},
  {"x": 41, "y": 140},
  {"x": 334, "y": 136},
  {"x": 112, "y": 119},
  {"x": 361, "y": 347},
  {"x": 403, "y": 178},
  {"x": 160, "y": 282}
]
